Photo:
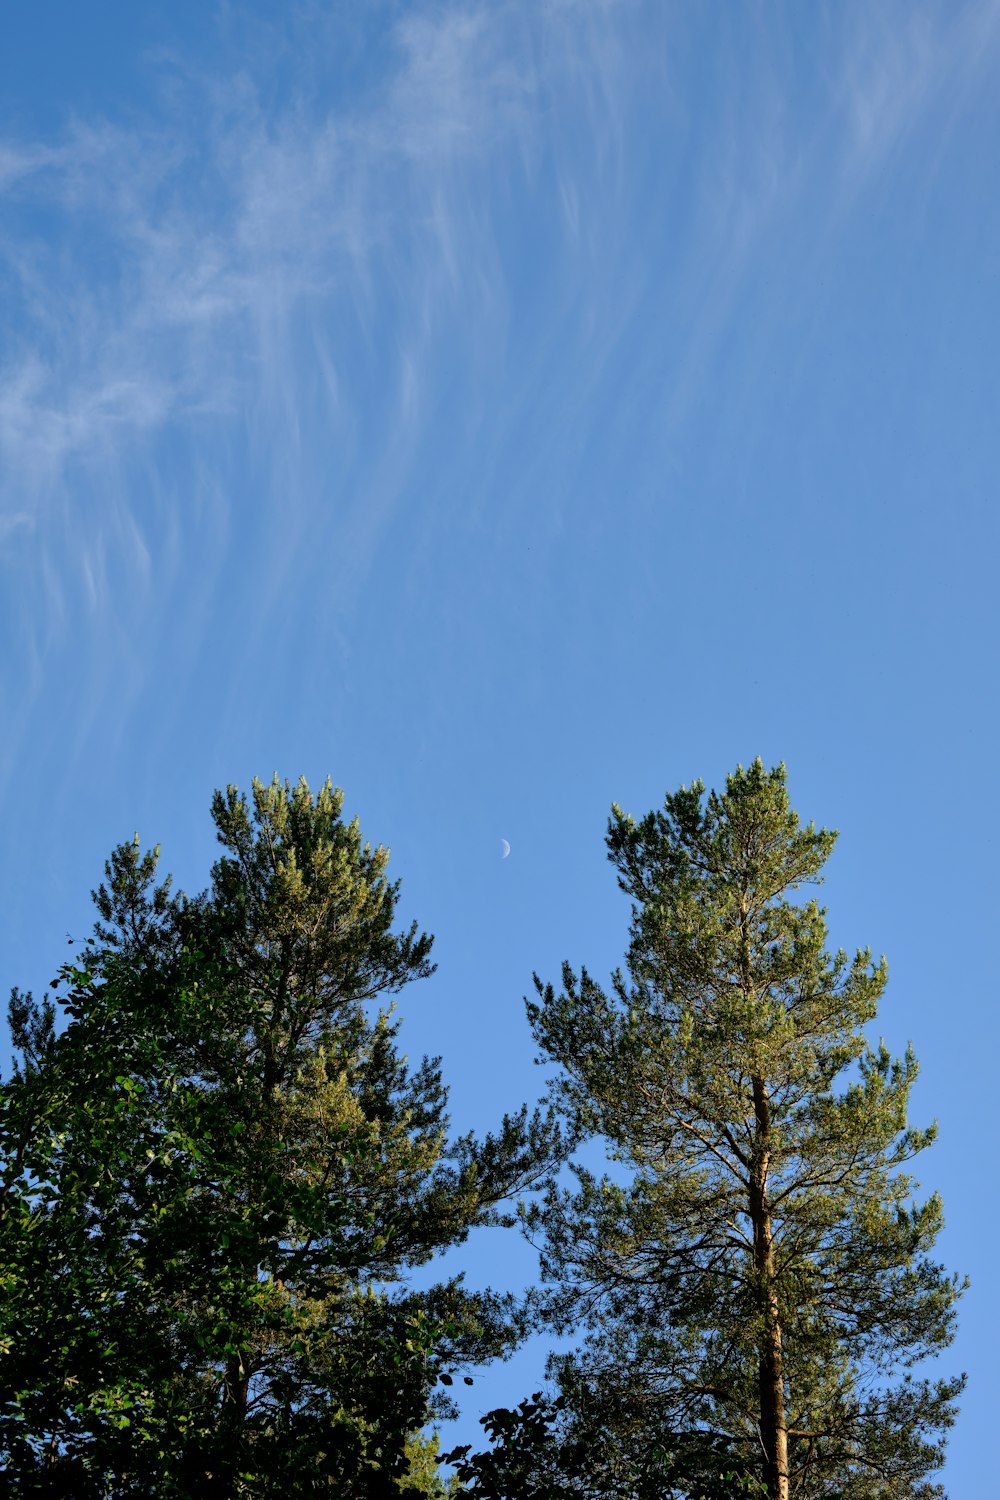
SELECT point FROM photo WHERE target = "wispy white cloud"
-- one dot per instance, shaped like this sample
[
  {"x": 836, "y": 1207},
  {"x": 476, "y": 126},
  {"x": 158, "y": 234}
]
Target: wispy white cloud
[
  {"x": 900, "y": 60},
  {"x": 250, "y": 278},
  {"x": 164, "y": 274},
  {"x": 253, "y": 277},
  {"x": 176, "y": 256}
]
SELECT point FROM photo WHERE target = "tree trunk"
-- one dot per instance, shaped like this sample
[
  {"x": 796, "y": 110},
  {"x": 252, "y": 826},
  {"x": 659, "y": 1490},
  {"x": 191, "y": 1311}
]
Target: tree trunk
[
  {"x": 773, "y": 1430},
  {"x": 231, "y": 1427},
  {"x": 771, "y": 1386}
]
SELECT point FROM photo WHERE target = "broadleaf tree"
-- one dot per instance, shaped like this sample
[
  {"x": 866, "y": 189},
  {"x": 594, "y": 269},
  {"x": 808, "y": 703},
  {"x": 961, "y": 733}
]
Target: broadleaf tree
[
  {"x": 568, "y": 1447},
  {"x": 753, "y": 1262},
  {"x": 236, "y": 1173}
]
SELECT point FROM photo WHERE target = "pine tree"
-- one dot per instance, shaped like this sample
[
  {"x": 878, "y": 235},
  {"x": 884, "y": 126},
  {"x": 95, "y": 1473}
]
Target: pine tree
[
  {"x": 754, "y": 1264},
  {"x": 235, "y": 1173}
]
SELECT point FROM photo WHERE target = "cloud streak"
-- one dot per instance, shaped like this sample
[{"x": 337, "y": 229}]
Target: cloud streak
[
  {"x": 175, "y": 264},
  {"x": 897, "y": 63},
  {"x": 254, "y": 281},
  {"x": 220, "y": 326}
]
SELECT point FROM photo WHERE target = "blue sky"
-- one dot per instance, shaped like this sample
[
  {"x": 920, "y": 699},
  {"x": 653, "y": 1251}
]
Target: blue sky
[{"x": 507, "y": 409}]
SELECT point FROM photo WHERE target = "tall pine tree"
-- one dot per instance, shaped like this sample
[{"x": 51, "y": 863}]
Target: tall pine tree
[
  {"x": 218, "y": 1179},
  {"x": 755, "y": 1266}
]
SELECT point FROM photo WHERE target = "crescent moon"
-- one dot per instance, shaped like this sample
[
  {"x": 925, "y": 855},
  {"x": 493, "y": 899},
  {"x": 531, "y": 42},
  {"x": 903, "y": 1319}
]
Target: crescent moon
[{"x": 505, "y": 848}]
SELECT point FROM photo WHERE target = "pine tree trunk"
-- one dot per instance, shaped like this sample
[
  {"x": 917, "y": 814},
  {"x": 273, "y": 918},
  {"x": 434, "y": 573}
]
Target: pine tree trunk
[
  {"x": 233, "y": 1418},
  {"x": 771, "y": 1387},
  {"x": 772, "y": 1406}
]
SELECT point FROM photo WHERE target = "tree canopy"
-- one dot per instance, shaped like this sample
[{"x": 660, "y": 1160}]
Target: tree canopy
[
  {"x": 218, "y": 1176},
  {"x": 754, "y": 1265},
  {"x": 217, "y": 1179}
]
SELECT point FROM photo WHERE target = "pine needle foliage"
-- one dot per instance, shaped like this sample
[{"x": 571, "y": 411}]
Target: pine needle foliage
[
  {"x": 220, "y": 1177},
  {"x": 756, "y": 1264}
]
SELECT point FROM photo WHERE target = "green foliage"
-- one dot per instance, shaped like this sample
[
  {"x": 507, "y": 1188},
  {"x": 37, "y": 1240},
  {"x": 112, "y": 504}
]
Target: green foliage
[
  {"x": 554, "y": 1449},
  {"x": 424, "y": 1475},
  {"x": 218, "y": 1177},
  {"x": 755, "y": 1267}
]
